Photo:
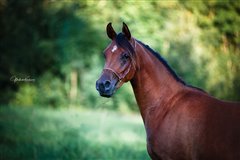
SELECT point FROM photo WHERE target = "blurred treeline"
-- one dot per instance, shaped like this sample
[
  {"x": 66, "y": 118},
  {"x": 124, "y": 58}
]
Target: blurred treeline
[{"x": 60, "y": 43}]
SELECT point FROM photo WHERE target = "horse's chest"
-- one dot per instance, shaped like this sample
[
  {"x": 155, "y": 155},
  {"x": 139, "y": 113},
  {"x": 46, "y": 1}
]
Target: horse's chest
[
  {"x": 161, "y": 146},
  {"x": 163, "y": 141}
]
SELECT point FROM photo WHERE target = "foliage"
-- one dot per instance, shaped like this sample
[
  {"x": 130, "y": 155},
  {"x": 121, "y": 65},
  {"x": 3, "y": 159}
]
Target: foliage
[
  {"x": 219, "y": 21},
  {"x": 40, "y": 133},
  {"x": 49, "y": 40}
]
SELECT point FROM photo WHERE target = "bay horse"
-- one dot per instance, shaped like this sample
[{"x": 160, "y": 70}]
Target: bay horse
[{"x": 181, "y": 122}]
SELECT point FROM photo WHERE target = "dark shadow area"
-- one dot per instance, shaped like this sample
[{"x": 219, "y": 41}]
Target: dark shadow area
[{"x": 39, "y": 39}]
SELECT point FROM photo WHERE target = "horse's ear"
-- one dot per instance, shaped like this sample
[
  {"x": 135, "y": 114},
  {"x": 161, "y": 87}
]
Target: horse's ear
[
  {"x": 126, "y": 31},
  {"x": 110, "y": 31}
]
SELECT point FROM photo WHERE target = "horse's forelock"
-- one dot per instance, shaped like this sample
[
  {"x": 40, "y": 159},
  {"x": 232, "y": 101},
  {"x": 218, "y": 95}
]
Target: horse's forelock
[{"x": 123, "y": 42}]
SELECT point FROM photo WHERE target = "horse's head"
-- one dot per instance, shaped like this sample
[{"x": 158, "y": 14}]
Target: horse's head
[{"x": 120, "y": 64}]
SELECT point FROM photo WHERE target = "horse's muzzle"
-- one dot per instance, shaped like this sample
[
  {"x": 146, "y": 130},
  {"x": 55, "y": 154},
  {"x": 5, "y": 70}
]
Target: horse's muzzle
[{"x": 106, "y": 85}]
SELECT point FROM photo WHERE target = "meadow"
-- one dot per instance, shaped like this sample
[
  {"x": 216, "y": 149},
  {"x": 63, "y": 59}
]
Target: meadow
[{"x": 40, "y": 133}]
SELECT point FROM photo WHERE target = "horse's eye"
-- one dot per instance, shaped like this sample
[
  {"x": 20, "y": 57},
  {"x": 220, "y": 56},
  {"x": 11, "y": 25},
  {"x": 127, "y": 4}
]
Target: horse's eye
[
  {"x": 125, "y": 55},
  {"x": 124, "y": 58}
]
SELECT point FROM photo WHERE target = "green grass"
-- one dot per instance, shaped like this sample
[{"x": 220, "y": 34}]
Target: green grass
[{"x": 38, "y": 133}]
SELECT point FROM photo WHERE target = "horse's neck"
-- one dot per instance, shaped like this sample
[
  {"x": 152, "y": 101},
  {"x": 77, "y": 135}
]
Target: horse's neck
[{"x": 153, "y": 84}]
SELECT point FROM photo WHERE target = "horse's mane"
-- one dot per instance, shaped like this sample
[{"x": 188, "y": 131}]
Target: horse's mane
[{"x": 164, "y": 62}]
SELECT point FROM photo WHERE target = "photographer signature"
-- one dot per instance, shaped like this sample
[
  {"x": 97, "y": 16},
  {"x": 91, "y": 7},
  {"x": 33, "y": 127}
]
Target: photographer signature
[{"x": 16, "y": 79}]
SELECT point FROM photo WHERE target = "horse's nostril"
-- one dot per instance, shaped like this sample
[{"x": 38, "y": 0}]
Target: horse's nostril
[
  {"x": 101, "y": 87},
  {"x": 107, "y": 84}
]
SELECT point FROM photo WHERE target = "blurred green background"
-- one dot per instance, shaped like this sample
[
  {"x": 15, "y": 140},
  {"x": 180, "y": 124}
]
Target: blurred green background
[{"x": 59, "y": 44}]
